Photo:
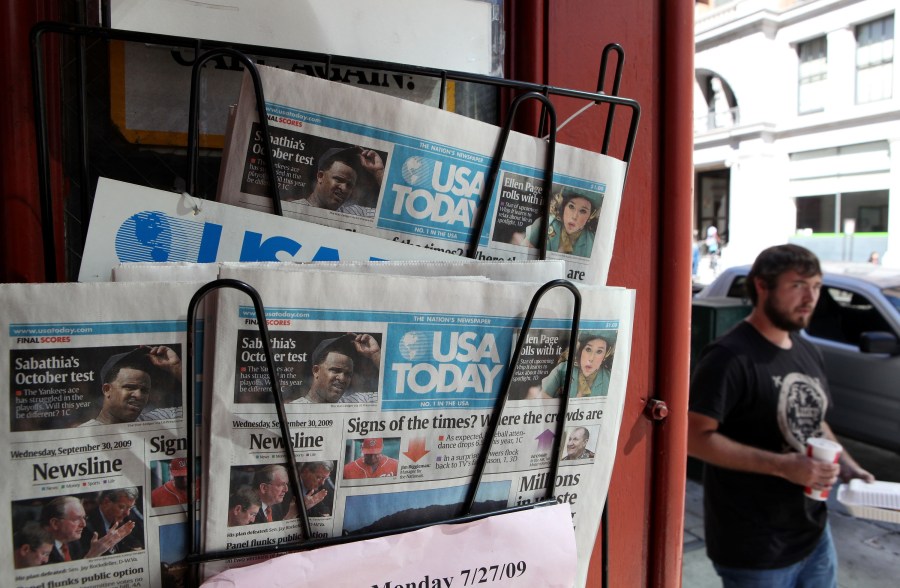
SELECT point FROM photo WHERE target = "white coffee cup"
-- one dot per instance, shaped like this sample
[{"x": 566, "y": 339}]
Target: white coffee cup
[{"x": 824, "y": 450}]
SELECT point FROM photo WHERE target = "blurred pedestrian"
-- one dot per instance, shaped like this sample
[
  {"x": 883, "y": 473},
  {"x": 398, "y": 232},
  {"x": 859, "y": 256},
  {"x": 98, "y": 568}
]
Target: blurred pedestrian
[
  {"x": 713, "y": 246},
  {"x": 695, "y": 256},
  {"x": 756, "y": 395}
]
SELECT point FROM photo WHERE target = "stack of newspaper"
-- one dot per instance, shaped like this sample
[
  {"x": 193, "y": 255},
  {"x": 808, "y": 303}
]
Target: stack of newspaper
[
  {"x": 390, "y": 372},
  {"x": 383, "y": 166}
]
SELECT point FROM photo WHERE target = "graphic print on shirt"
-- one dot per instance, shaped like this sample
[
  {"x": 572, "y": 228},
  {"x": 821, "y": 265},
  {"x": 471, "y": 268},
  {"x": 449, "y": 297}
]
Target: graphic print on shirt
[{"x": 802, "y": 404}]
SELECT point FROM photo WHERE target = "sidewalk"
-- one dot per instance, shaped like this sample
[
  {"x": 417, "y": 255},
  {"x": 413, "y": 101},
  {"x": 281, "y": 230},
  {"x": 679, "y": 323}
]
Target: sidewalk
[{"x": 868, "y": 551}]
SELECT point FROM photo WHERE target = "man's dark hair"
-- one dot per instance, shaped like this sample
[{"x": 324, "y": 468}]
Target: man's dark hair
[
  {"x": 119, "y": 493},
  {"x": 310, "y": 466},
  {"x": 349, "y": 156},
  {"x": 342, "y": 345},
  {"x": 33, "y": 535},
  {"x": 774, "y": 261},
  {"x": 243, "y": 496},
  {"x": 136, "y": 359}
]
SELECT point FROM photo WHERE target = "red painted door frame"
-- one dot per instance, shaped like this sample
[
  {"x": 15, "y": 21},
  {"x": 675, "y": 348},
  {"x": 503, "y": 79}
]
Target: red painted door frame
[
  {"x": 21, "y": 245},
  {"x": 560, "y": 43}
]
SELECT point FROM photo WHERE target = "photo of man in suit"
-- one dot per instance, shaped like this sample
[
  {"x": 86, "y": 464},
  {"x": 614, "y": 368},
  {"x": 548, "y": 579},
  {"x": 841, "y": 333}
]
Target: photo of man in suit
[
  {"x": 116, "y": 511},
  {"x": 271, "y": 486}
]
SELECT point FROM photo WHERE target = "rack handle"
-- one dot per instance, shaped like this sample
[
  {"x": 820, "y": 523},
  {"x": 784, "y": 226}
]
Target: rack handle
[
  {"x": 194, "y": 121},
  {"x": 494, "y": 170}
]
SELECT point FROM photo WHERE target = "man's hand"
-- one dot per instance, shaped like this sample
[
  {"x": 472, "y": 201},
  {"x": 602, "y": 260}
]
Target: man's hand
[
  {"x": 852, "y": 471},
  {"x": 367, "y": 346},
  {"x": 165, "y": 358},
  {"x": 116, "y": 533},
  {"x": 849, "y": 468},
  {"x": 313, "y": 498},
  {"x": 292, "y": 511},
  {"x": 706, "y": 443},
  {"x": 805, "y": 471},
  {"x": 372, "y": 163}
]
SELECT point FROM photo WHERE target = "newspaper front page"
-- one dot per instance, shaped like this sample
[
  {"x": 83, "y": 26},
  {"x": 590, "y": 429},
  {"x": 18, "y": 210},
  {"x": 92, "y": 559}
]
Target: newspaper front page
[
  {"x": 406, "y": 172},
  {"x": 93, "y": 433},
  {"x": 389, "y": 385}
]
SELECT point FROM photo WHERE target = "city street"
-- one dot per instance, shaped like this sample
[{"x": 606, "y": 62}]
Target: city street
[{"x": 868, "y": 551}]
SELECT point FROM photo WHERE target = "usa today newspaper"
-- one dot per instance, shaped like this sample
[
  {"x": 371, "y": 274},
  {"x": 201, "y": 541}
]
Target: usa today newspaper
[
  {"x": 379, "y": 165},
  {"x": 389, "y": 384},
  {"x": 133, "y": 224},
  {"x": 93, "y": 433}
]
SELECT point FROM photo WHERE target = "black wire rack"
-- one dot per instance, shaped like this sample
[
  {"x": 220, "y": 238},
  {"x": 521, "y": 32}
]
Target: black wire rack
[
  {"x": 82, "y": 174},
  {"x": 197, "y": 556},
  {"x": 85, "y": 178}
]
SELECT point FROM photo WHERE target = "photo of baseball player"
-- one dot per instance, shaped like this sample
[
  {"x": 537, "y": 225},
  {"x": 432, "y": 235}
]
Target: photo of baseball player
[
  {"x": 127, "y": 384},
  {"x": 347, "y": 180},
  {"x": 340, "y": 366},
  {"x": 372, "y": 461},
  {"x": 174, "y": 490}
]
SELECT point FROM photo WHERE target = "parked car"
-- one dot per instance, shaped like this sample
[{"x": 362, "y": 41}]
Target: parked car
[{"x": 856, "y": 325}]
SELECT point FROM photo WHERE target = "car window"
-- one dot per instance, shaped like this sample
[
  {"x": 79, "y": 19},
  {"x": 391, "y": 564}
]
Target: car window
[
  {"x": 893, "y": 296},
  {"x": 737, "y": 288},
  {"x": 842, "y": 315}
]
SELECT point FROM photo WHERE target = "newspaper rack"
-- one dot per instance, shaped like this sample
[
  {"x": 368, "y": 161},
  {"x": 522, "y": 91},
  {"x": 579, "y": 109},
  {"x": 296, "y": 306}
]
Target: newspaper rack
[
  {"x": 196, "y": 557},
  {"x": 86, "y": 179}
]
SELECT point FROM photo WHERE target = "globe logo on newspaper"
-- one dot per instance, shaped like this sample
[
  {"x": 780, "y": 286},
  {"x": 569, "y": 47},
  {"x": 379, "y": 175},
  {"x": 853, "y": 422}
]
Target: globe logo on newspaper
[
  {"x": 414, "y": 345},
  {"x": 150, "y": 235},
  {"x": 417, "y": 171}
]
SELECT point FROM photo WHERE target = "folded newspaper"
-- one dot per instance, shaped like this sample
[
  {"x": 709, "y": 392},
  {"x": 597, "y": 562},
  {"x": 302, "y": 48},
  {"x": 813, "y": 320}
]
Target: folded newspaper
[
  {"x": 131, "y": 223},
  {"x": 379, "y": 165},
  {"x": 93, "y": 430},
  {"x": 389, "y": 384}
]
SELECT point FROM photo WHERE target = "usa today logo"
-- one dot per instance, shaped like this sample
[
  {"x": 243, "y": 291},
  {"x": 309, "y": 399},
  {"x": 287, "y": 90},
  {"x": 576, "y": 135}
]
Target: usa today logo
[{"x": 155, "y": 236}]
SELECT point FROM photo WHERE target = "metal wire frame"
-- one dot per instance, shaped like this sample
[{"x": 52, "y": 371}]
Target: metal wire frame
[
  {"x": 293, "y": 477},
  {"x": 494, "y": 171},
  {"x": 40, "y": 115},
  {"x": 195, "y": 556},
  {"x": 500, "y": 405},
  {"x": 193, "y": 146}
]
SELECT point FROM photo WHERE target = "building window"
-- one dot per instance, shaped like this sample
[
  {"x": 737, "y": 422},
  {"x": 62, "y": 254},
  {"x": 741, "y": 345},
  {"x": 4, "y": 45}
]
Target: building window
[
  {"x": 711, "y": 202},
  {"x": 812, "y": 75},
  {"x": 830, "y": 213},
  {"x": 816, "y": 214},
  {"x": 874, "y": 60}
]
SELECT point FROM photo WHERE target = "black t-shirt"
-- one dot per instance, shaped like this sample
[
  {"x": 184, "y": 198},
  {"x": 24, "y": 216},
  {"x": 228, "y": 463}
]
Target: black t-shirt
[{"x": 773, "y": 399}]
